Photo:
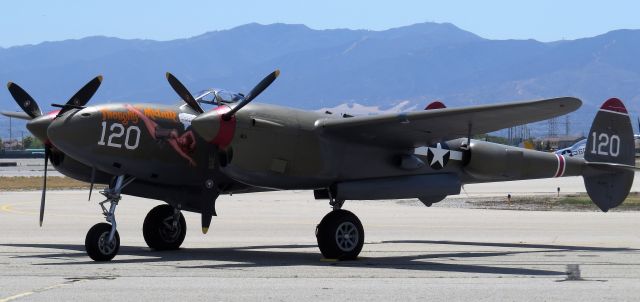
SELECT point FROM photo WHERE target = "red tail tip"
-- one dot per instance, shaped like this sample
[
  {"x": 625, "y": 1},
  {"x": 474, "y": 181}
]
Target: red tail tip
[
  {"x": 614, "y": 104},
  {"x": 435, "y": 105}
]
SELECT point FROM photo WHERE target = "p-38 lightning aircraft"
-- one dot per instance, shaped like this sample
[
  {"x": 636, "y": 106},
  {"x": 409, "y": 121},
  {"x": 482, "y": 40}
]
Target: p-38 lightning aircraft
[{"x": 188, "y": 157}]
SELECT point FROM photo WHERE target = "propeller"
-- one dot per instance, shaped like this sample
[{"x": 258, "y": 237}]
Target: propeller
[
  {"x": 24, "y": 100},
  {"x": 93, "y": 180},
  {"x": 183, "y": 93},
  {"x": 38, "y": 123},
  {"x": 218, "y": 126},
  {"x": 82, "y": 97},
  {"x": 47, "y": 154},
  {"x": 253, "y": 93},
  {"x": 218, "y": 133}
]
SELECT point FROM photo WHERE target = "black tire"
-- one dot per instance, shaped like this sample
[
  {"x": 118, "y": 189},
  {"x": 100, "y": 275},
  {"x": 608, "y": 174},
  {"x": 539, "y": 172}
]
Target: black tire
[
  {"x": 158, "y": 229},
  {"x": 340, "y": 235},
  {"x": 95, "y": 243}
]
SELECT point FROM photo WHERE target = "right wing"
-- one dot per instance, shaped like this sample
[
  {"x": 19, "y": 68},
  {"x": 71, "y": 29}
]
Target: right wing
[{"x": 421, "y": 128}]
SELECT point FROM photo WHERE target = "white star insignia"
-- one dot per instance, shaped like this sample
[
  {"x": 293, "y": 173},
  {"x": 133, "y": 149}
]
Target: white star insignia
[{"x": 438, "y": 154}]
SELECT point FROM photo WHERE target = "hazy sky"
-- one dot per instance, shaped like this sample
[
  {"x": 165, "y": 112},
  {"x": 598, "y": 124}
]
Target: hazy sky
[{"x": 29, "y": 22}]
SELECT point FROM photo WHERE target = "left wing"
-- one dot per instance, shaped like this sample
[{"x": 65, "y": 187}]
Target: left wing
[
  {"x": 415, "y": 129},
  {"x": 20, "y": 115}
]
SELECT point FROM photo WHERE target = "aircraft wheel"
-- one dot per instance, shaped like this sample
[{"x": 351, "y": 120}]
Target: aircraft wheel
[
  {"x": 159, "y": 230},
  {"x": 96, "y": 243},
  {"x": 340, "y": 235}
]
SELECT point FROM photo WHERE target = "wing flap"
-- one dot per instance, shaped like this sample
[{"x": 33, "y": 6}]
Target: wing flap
[{"x": 414, "y": 129}]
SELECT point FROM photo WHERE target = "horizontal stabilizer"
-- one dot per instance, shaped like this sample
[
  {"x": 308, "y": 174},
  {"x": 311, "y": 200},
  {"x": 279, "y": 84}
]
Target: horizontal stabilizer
[{"x": 599, "y": 167}]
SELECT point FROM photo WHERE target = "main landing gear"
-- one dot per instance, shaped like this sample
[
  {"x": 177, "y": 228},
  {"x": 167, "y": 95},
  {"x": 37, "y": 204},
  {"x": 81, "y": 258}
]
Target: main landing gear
[
  {"x": 164, "y": 228},
  {"x": 340, "y": 234}
]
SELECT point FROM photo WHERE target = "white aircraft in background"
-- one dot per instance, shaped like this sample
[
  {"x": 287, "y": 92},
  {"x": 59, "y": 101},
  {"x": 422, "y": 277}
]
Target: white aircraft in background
[{"x": 577, "y": 150}]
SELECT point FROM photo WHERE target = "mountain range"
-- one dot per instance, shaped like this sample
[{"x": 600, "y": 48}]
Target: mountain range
[{"x": 338, "y": 69}]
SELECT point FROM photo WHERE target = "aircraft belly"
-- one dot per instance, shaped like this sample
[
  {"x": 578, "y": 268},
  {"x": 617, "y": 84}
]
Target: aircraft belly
[{"x": 407, "y": 186}]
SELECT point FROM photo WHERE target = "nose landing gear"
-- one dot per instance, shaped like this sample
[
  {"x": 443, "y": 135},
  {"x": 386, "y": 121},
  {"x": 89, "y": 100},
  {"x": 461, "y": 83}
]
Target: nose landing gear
[
  {"x": 98, "y": 245},
  {"x": 102, "y": 241}
]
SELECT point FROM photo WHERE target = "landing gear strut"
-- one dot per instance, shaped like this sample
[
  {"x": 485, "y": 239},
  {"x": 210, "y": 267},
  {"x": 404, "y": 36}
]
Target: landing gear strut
[
  {"x": 103, "y": 242},
  {"x": 340, "y": 234}
]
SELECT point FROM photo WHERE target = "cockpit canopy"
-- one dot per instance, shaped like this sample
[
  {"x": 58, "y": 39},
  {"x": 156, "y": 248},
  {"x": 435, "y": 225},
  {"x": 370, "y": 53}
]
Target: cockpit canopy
[{"x": 218, "y": 97}]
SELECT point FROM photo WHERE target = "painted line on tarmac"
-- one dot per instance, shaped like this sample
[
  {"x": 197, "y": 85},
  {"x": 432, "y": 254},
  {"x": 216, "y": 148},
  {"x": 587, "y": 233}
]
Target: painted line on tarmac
[
  {"x": 39, "y": 290},
  {"x": 9, "y": 208}
]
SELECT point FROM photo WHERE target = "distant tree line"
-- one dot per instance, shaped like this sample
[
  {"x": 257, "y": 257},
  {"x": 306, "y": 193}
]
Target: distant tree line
[{"x": 28, "y": 142}]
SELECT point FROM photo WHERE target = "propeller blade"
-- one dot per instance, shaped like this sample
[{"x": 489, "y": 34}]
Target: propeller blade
[
  {"x": 253, "y": 93},
  {"x": 24, "y": 100},
  {"x": 183, "y": 93},
  {"x": 47, "y": 152},
  {"x": 83, "y": 95},
  {"x": 93, "y": 179}
]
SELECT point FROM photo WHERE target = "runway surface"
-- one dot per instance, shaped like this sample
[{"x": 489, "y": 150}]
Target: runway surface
[{"x": 262, "y": 247}]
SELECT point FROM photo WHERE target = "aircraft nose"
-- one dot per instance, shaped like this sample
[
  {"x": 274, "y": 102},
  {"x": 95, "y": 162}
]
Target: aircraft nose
[{"x": 67, "y": 131}]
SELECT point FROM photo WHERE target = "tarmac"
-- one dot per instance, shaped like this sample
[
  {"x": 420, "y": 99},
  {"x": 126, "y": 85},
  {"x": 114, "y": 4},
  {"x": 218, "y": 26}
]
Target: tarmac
[
  {"x": 25, "y": 167},
  {"x": 262, "y": 247}
]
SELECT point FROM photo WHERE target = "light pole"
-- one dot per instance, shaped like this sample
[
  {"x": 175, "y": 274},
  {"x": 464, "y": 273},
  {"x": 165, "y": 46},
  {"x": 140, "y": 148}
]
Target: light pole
[{"x": 10, "y": 132}]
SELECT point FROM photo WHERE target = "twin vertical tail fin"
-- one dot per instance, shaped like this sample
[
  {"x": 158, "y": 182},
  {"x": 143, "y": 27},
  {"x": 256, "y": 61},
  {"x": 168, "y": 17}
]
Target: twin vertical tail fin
[{"x": 610, "y": 156}]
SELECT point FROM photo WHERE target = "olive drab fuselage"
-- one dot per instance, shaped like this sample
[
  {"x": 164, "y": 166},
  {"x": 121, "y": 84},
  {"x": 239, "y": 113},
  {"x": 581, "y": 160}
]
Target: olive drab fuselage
[{"x": 272, "y": 147}]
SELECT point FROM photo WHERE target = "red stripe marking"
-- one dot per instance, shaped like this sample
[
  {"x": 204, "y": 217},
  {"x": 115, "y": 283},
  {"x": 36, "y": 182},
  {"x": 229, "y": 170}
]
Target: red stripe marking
[
  {"x": 561, "y": 166},
  {"x": 227, "y": 128},
  {"x": 435, "y": 105},
  {"x": 614, "y": 104}
]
